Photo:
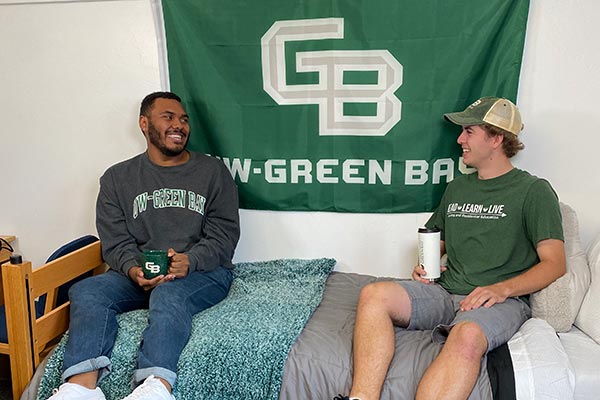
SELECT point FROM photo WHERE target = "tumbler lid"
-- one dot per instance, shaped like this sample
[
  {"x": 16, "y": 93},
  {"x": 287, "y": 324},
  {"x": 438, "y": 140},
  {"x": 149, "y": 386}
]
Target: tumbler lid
[{"x": 434, "y": 229}]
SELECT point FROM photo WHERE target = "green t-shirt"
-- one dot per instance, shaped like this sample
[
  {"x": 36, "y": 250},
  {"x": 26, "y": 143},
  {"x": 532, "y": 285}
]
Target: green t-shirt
[{"x": 491, "y": 227}]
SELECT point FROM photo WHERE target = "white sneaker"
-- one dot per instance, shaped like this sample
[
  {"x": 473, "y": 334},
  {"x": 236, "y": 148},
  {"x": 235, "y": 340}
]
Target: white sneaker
[
  {"x": 151, "y": 389},
  {"x": 72, "y": 391}
]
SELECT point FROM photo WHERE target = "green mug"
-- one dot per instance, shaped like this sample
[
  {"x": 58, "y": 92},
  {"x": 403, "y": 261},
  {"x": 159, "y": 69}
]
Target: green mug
[{"x": 155, "y": 263}]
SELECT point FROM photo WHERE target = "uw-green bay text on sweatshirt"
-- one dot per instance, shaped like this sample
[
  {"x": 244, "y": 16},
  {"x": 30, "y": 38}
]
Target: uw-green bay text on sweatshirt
[{"x": 192, "y": 208}]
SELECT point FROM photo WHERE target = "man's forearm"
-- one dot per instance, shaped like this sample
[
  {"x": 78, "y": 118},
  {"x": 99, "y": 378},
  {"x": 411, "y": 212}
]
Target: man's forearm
[{"x": 552, "y": 266}]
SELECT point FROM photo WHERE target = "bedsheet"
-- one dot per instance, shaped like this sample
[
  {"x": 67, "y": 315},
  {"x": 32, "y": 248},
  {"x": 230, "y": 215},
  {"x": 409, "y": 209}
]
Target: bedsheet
[
  {"x": 584, "y": 357},
  {"x": 541, "y": 366}
]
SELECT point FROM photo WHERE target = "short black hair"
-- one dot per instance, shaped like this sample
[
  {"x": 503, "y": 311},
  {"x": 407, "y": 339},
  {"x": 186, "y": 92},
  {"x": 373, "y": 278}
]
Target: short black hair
[{"x": 148, "y": 101}]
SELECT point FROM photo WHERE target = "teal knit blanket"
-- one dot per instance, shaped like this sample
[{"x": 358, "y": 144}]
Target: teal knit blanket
[{"x": 238, "y": 348}]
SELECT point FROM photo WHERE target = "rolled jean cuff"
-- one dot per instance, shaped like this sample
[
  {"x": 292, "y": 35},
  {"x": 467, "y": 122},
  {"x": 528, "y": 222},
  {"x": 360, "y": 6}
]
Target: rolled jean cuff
[
  {"x": 102, "y": 364},
  {"x": 140, "y": 375}
]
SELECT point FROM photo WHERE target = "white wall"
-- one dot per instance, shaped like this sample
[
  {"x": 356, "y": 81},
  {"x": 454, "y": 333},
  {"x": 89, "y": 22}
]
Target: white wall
[
  {"x": 72, "y": 75},
  {"x": 559, "y": 97}
]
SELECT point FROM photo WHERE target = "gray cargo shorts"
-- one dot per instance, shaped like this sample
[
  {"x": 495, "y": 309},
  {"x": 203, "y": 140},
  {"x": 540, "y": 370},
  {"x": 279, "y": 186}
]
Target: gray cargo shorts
[{"x": 433, "y": 308}]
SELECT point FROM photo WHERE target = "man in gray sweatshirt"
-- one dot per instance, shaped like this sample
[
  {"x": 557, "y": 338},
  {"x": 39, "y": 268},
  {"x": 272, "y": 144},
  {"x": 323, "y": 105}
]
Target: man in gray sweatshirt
[{"x": 167, "y": 198}]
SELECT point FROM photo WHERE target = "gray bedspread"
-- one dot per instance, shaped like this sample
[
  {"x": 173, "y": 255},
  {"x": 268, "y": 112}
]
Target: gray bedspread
[{"x": 319, "y": 366}]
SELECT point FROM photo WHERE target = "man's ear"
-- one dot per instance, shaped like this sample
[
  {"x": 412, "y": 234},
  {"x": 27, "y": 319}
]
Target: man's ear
[
  {"x": 143, "y": 124},
  {"x": 498, "y": 139}
]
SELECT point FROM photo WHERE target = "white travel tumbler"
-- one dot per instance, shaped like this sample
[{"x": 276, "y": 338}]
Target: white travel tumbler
[{"x": 429, "y": 251}]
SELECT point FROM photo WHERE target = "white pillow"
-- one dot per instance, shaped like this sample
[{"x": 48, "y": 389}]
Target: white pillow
[
  {"x": 559, "y": 303},
  {"x": 541, "y": 365},
  {"x": 588, "y": 319}
]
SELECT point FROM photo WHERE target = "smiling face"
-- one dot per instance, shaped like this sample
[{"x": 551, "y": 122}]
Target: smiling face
[
  {"x": 479, "y": 148},
  {"x": 167, "y": 130}
]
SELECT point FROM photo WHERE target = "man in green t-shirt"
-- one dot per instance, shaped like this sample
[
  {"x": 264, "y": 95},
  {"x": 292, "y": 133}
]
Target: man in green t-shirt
[{"x": 502, "y": 232}]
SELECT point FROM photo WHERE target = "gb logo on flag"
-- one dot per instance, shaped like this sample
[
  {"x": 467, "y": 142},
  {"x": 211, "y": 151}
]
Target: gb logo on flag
[{"x": 331, "y": 93}]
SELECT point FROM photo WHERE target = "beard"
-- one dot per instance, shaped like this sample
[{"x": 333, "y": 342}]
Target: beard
[{"x": 155, "y": 138}]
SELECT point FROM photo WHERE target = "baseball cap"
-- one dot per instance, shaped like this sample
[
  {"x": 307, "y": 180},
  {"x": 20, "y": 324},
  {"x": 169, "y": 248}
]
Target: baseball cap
[{"x": 495, "y": 111}]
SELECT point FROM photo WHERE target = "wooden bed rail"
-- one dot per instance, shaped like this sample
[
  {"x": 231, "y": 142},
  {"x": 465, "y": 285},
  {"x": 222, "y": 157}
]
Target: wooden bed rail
[{"x": 29, "y": 337}]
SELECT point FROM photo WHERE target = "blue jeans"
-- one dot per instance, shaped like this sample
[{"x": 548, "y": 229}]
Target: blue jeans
[{"x": 96, "y": 301}]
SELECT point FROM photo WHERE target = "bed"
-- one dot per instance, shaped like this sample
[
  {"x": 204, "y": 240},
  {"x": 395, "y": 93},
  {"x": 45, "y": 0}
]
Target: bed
[{"x": 316, "y": 360}]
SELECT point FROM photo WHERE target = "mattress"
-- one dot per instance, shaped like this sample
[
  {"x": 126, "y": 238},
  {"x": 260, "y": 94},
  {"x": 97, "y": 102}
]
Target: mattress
[
  {"x": 319, "y": 365},
  {"x": 541, "y": 367},
  {"x": 584, "y": 357}
]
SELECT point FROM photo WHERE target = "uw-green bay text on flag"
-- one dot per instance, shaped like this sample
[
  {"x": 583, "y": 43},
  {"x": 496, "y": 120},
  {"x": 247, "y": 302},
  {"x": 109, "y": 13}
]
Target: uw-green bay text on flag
[{"x": 337, "y": 105}]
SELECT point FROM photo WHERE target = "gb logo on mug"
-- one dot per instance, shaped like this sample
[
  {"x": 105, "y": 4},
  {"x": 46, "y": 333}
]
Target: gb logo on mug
[
  {"x": 151, "y": 267},
  {"x": 331, "y": 93}
]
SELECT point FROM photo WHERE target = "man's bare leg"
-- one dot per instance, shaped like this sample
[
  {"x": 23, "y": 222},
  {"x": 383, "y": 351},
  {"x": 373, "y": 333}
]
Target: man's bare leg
[
  {"x": 167, "y": 384},
  {"x": 380, "y": 306},
  {"x": 86, "y": 379},
  {"x": 454, "y": 372}
]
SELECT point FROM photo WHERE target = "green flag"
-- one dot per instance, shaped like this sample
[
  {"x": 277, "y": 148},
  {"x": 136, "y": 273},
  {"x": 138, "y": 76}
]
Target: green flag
[{"x": 337, "y": 105}]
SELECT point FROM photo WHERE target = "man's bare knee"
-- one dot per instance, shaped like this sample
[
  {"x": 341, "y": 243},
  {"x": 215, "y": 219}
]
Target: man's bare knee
[
  {"x": 468, "y": 339},
  {"x": 382, "y": 293},
  {"x": 386, "y": 296}
]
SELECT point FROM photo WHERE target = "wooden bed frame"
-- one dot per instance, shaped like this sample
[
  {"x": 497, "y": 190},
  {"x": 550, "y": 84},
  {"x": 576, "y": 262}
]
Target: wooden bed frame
[{"x": 30, "y": 338}]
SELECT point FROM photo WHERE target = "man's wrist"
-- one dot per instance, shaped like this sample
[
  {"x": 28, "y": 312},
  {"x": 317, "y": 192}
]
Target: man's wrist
[
  {"x": 133, "y": 271},
  {"x": 505, "y": 288}
]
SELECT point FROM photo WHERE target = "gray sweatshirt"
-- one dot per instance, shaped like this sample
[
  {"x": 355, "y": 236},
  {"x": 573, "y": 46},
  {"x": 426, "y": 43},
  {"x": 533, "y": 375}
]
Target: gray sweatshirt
[{"x": 192, "y": 208}]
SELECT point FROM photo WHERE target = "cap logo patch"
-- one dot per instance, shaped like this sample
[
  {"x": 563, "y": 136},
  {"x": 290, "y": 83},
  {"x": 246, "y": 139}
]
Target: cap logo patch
[{"x": 475, "y": 103}]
